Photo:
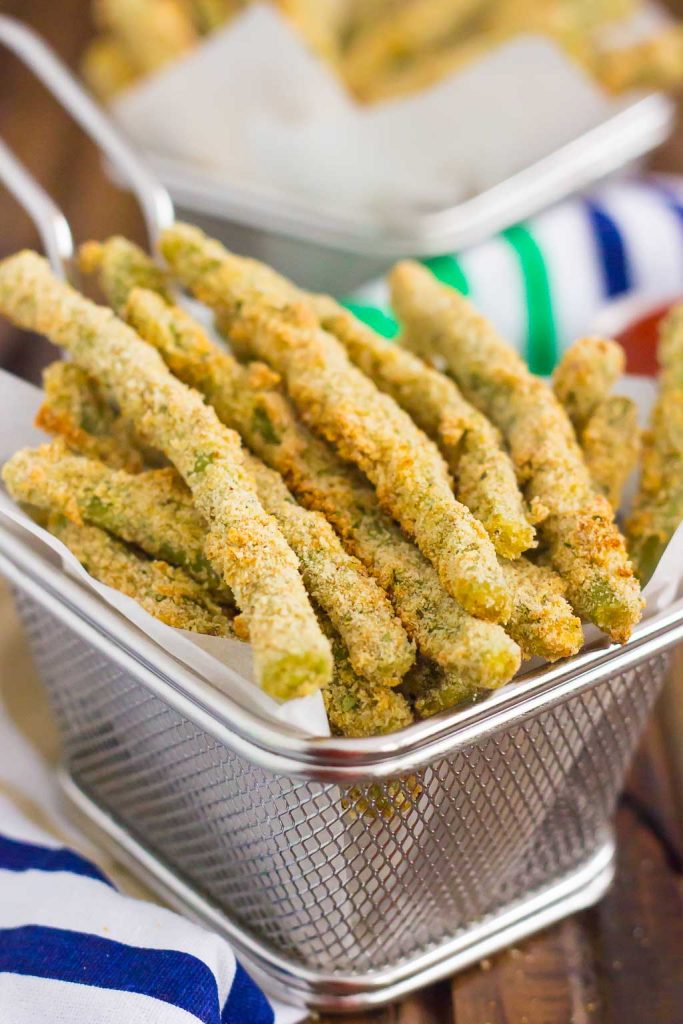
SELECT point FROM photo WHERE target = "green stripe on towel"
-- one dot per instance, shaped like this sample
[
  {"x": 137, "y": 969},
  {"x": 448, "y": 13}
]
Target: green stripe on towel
[
  {"x": 380, "y": 320},
  {"x": 447, "y": 270},
  {"x": 541, "y": 328}
]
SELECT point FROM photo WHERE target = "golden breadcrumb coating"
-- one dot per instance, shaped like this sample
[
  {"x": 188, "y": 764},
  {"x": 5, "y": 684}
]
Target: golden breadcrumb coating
[
  {"x": 471, "y": 445},
  {"x": 107, "y": 68},
  {"x": 575, "y": 26},
  {"x": 54, "y": 479},
  {"x": 585, "y": 376},
  {"x": 248, "y": 399},
  {"x": 400, "y": 35},
  {"x": 427, "y": 68},
  {"x": 340, "y": 402},
  {"x": 358, "y": 607},
  {"x": 658, "y": 507},
  {"x": 428, "y": 615},
  {"x": 356, "y": 706},
  {"x": 181, "y": 344},
  {"x": 75, "y": 409},
  {"x": 378, "y": 647},
  {"x": 571, "y": 25},
  {"x": 381, "y": 49},
  {"x": 320, "y": 22},
  {"x": 542, "y": 622},
  {"x": 163, "y": 590},
  {"x": 653, "y": 63},
  {"x": 606, "y": 425},
  {"x": 431, "y": 692},
  {"x": 152, "y": 510},
  {"x": 151, "y": 32},
  {"x": 585, "y": 545},
  {"x": 208, "y": 15},
  {"x": 121, "y": 266},
  {"x": 291, "y": 656},
  {"x": 670, "y": 349},
  {"x": 610, "y": 442}
]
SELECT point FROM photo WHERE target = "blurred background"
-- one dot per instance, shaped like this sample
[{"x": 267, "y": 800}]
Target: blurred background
[{"x": 156, "y": 108}]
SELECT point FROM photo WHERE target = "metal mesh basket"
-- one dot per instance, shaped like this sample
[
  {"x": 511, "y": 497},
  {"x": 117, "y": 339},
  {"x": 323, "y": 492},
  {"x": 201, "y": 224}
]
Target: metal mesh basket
[{"x": 352, "y": 881}]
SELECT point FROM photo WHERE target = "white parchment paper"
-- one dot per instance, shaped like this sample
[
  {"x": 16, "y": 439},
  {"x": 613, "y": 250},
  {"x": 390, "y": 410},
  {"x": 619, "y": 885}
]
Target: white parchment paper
[{"x": 214, "y": 658}]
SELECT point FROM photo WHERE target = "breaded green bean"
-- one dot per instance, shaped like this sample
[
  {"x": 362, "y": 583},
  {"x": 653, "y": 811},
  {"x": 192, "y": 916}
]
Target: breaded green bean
[
  {"x": 355, "y": 706},
  {"x": 586, "y": 375},
  {"x": 363, "y": 13},
  {"x": 198, "y": 361},
  {"x": 592, "y": 14},
  {"x": 610, "y": 442},
  {"x": 340, "y": 402},
  {"x": 658, "y": 506},
  {"x": 323, "y": 482},
  {"x": 428, "y": 67},
  {"x": 291, "y": 656},
  {"x": 152, "y": 32},
  {"x": 107, "y": 68},
  {"x": 670, "y": 350},
  {"x": 569, "y": 24},
  {"x": 320, "y": 22},
  {"x": 655, "y": 62},
  {"x": 606, "y": 426},
  {"x": 431, "y": 692},
  {"x": 378, "y": 645},
  {"x": 542, "y": 621},
  {"x": 542, "y": 624},
  {"x": 163, "y": 590},
  {"x": 153, "y": 509},
  {"x": 585, "y": 545},
  {"x": 247, "y": 399},
  {"x": 208, "y": 15},
  {"x": 400, "y": 35},
  {"x": 471, "y": 445},
  {"x": 572, "y": 25},
  {"x": 120, "y": 267},
  {"x": 75, "y": 409}
]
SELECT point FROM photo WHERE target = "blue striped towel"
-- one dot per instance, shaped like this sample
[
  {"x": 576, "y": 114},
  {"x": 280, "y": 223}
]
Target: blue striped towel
[{"x": 75, "y": 950}]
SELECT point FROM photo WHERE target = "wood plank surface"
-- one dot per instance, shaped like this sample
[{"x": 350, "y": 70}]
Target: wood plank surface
[{"x": 619, "y": 963}]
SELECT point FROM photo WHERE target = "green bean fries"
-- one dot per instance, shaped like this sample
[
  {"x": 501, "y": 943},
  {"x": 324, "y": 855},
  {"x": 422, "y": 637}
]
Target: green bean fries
[{"x": 398, "y": 536}]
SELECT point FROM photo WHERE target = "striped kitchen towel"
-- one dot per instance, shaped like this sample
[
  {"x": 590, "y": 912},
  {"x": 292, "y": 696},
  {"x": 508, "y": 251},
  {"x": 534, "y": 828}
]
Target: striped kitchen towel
[
  {"x": 74, "y": 950},
  {"x": 542, "y": 282}
]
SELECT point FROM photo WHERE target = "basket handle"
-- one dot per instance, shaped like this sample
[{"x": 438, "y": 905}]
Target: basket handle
[
  {"x": 155, "y": 202},
  {"x": 51, "y": 223}
]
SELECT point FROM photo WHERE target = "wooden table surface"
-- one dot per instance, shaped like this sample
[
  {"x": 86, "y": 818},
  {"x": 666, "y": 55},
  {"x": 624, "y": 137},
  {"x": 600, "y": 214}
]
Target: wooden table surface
[{"x": 619, "y": 963}]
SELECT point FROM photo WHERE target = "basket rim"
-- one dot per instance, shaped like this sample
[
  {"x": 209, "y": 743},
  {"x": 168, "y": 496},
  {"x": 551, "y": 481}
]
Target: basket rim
[{"x": 279, "y": 748}]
